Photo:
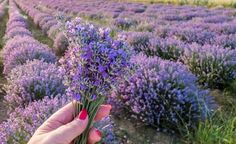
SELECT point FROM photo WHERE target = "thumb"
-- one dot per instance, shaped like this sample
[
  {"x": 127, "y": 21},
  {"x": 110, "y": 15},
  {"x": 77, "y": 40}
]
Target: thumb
[{"x": 67, "y": 133}]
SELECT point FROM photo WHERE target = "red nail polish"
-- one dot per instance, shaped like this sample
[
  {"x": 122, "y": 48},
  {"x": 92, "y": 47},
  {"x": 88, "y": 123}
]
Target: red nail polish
[
  {"x": 99, "y": 133},
  {"x": 83, "y": 114}
]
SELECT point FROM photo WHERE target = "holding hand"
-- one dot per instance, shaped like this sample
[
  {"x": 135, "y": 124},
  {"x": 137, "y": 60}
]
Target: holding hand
[{"x": 63, "y": 128}]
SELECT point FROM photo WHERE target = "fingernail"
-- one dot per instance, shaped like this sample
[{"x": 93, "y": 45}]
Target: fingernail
[
  {"x": 109, "y": 106},
  {"x": 99, "y": 133},
  {"x": 83, "y": 114}
]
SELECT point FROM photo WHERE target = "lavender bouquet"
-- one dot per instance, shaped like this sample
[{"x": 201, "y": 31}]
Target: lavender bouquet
[{"x": 92, "y": 64}]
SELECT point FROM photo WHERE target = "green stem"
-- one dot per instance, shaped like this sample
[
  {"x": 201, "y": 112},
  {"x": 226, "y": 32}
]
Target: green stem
[{"x": 92, "y": 108}]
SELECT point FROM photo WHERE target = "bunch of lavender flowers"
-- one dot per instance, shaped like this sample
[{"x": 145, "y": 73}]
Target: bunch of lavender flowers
[
  {"x": 163, "y": 94},
  {"x": 80, "y": 33},
  {"x": 92, "y": 65},
  {"x": 33, "y": 81},
  {"x": 214, "y": 66}
]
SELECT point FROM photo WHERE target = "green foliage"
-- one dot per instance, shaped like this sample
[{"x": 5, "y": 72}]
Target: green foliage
[{"x": 221, "y": 127}]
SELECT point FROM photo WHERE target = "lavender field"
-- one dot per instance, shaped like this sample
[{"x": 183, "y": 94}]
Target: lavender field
[{"x": 168, "y": 71}]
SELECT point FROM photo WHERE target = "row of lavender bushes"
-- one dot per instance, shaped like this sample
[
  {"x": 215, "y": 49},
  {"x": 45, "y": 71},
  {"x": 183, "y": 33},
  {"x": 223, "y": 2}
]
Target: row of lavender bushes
[
  {"x": 49, "y": 25},
  {"x": 213, "y": 64},
  {"x": 34, "y": 88}
]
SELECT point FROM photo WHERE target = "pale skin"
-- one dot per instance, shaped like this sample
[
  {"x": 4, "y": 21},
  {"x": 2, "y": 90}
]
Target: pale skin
[{"x": 63, "y": 128}]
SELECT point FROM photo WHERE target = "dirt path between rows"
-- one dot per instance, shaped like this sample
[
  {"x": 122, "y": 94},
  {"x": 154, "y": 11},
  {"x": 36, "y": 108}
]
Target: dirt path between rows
[
  {"x": 3, "y": 22},
  {"x": 2, "y": 105}
]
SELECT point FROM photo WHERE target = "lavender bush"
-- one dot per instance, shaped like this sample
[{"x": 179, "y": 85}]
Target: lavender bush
[
  {"x": 16, "y": 42},
  {"x": 213, "y": 65},
  {"x": 163, "y": 94},
  {"x": 140, "y": 41},
  {"x": 167, "y": 48},
  {"x": 145, "y": 27},
  {"x": 124, "y": 23},
  {"x": 18, "y": 31},
  {"x": 225, "y": 41},
  {"x": 19, "y": 56},
  {"x": 53, "y": 31},
  {"x": 192, "y": 35},
  {"x": 33, "y": 81},
  {"x": 15, "y": 25},
  {"x": 60, "y": 44}
]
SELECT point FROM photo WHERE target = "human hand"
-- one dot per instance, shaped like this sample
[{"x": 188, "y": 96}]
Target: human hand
[{"x": 63, "y": 128}]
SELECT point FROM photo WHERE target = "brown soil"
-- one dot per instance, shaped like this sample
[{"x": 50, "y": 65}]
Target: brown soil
[{"x": 129, "y": 131}]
